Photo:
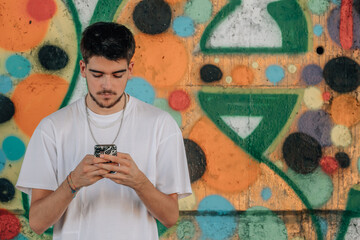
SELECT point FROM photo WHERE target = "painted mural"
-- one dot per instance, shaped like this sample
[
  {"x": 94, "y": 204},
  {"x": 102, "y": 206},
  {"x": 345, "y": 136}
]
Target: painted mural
[{"x": 265, "y": 92}]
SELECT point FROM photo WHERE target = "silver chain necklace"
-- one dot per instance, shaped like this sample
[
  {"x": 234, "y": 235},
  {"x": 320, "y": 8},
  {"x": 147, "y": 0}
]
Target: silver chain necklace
[{"x": 122, "y": 117}]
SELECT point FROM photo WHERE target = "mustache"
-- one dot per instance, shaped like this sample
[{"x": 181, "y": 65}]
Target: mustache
[{"x": 106, "y": 92}]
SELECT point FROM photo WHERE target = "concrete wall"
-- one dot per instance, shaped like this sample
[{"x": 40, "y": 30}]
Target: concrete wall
[{"x": 265, "y": 92}]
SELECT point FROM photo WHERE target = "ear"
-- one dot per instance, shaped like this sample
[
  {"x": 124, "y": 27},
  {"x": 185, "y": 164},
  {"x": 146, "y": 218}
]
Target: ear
[
  {"x": 82, "y": 68},
  {"x": 131, "y": 67}
]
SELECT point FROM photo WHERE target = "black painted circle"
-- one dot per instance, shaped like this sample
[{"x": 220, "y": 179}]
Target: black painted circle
[
  {"x": 196, "y": 160},
  {"x": 7, "y": 190},
  {"x": 210, "y": 73},
  {"x": 320, "y": 50},
  {"x": 152, "y": 16},
  {"x": 343, "y": 159},
  {"x": 342, "y": 74},
  {"x": 7, "y": 109},
  {"x": 302, "y": 152},
  {"x": 52, "y": 57}
]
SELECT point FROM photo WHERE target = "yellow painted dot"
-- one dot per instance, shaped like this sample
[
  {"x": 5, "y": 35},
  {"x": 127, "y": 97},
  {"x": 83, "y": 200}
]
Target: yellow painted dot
[
  {"x": 340, "y": 136},
  {"x": 188, "y": 203},
  {"x": 228, "y": 79},
  {"x": 216, "y": 60},
  {"x": 255, "y": 65},
  {"x": 313, "y": 98},
  {"x": 292, "y": 68}
]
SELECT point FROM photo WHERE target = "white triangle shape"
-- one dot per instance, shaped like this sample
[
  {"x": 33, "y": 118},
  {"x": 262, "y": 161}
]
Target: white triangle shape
[{"x": 242, "y": 125}]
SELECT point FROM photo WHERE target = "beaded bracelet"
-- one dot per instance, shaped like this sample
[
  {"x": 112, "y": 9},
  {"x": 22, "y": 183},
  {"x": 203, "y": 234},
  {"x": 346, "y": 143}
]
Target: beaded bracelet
[{"x": 73, "y": 189}]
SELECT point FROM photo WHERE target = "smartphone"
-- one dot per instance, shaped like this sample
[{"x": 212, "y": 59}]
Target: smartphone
[{"x": 108, "y": 149}]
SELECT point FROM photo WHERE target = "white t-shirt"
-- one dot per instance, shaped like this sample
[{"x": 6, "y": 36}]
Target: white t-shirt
[{"x": 106, "y": 210}]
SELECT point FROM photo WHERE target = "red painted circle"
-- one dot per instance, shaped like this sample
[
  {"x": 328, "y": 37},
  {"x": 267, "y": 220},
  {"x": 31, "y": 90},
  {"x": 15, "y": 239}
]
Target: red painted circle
[
  {"x": 9, "y": 225},
  {"x": 41, "y": 9},
  {"x": 329, "y": 164},
  {"x": 326, "y": 96},
  {"x": 179, "y": 100}
]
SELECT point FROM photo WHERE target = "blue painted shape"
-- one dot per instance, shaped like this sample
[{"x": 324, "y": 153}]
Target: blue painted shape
[
  {"x": 18, "y": 66},
  {"x": 13, "y": 148},
  {"x": 266, "y": 194},
  {"x": 183, "y": 26},
  {"x": 2, "y": 160},
  {"x": 275, "y": 73},
  {"x": 337, "y": 2},
  {"x": 323, "y": 225},
  {"x": 5, "y": 84},
  {"x": 141, "y": 89},
  {"x": 216, "y": 223},
  {"x": 318, "y": 30},
  {"x": 20, "y": 237}
]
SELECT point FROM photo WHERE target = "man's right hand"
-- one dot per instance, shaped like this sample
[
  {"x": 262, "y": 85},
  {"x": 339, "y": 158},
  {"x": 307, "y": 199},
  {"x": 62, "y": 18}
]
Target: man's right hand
[{"x": 87, "y": 173}]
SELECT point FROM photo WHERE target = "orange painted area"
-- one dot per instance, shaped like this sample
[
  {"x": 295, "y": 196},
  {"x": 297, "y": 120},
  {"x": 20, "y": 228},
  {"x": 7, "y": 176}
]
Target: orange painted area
[
  {"x": 242, "y": 75},
  {"x": 161, "y": 59},
  {"x": 35, "y": 98},
  {"x": 229, "y": 169},
  {"x": 345, "y": 110},
  {"x": 22, "y": 31},
  {"x": 173, "y": 1}
]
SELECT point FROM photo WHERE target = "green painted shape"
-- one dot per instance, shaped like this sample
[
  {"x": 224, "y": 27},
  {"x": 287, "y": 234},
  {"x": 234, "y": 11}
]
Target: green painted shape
[
  {"x": 74, "y": 13},
  {"x": 260, "y": 223},
  {"x": 286, "y": 13},
  {"x": 161, "y": 228},
  {"x": 316, "y": 186},
  {"x": 105, "y": 11},
  {"x": 352, "y": 210},
  {"x": 163, "y": 105},
  {"x": 185, "y": 230},
  {"x": 213, "y": 94},
  {"x": 318, "y": 7},
  {"x": 198, "y": 10},
  {"x": 274, "y": 107}
]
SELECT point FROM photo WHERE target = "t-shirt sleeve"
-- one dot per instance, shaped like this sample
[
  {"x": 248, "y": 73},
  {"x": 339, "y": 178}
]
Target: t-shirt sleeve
[
  {"x": 38, "y": 169},
  {"x": 171, "y": 164}
]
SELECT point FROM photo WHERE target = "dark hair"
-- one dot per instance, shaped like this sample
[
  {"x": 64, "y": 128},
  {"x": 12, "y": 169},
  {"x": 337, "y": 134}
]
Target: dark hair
[{"x": 107, "y": 39}]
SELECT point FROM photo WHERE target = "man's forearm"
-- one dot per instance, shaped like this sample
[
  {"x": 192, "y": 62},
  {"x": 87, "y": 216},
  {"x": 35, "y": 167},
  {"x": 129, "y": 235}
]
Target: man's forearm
[
  {"x": 163, "y": 207},
  {"x": 47, "y": 210}
]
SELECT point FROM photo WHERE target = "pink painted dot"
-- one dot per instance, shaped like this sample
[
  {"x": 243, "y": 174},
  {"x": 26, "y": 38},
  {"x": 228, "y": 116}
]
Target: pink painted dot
[
  {"x": 326, "y": 96},
  {"x": 41, "y": 10},
  {"x": 329, "y": 164},
  {"x": 179, "y": 100}
]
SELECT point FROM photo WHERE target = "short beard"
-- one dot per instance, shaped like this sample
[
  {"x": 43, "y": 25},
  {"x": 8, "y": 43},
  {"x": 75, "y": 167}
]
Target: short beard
[{"x": 108, "y": 106}]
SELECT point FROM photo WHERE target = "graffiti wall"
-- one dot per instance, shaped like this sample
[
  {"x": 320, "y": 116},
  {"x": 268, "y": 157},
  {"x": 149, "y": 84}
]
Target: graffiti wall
[{"x": 264, "y": 91}]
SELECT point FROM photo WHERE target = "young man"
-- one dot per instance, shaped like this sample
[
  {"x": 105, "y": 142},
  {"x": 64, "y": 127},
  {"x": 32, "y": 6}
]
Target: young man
[{"x": 106, "y": 197}]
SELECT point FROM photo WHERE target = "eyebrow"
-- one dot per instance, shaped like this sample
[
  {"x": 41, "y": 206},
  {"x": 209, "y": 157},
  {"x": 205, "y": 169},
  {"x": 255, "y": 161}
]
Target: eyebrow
[{"x": 96, "y": 71}]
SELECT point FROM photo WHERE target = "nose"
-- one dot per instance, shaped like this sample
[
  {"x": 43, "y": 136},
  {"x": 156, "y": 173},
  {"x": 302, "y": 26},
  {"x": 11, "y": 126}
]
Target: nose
[{"x": 106, "y": 84}]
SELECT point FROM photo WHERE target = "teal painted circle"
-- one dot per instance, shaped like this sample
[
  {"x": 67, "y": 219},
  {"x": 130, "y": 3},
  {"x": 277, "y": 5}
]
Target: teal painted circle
[
  {"x": 20, "y": 237},
  {"x": 337, "y": 2},
  {"x": 185, "y": 230},
  {"x": 13, "y": 148},
  {"x": 275, "y": 73},
  {"x": 318, "y": 7},
  {"x": 141, "y": 89},
  {"x": 164, "y": 105},
  {"x": 216, "y": 223},
  {"x": 199, "y": 10},
  {"x": 18, "y": 66},
  {"x": 2, "y": 160},
  {"x": 5, "y": 84},
  {"x": 318, "y": 30},
  {"x": 266, "y": 194},
  {"x": 316, "y": 186},
  {"x": 260, "y": 223},
  {"x": 183, "y": 26}
]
